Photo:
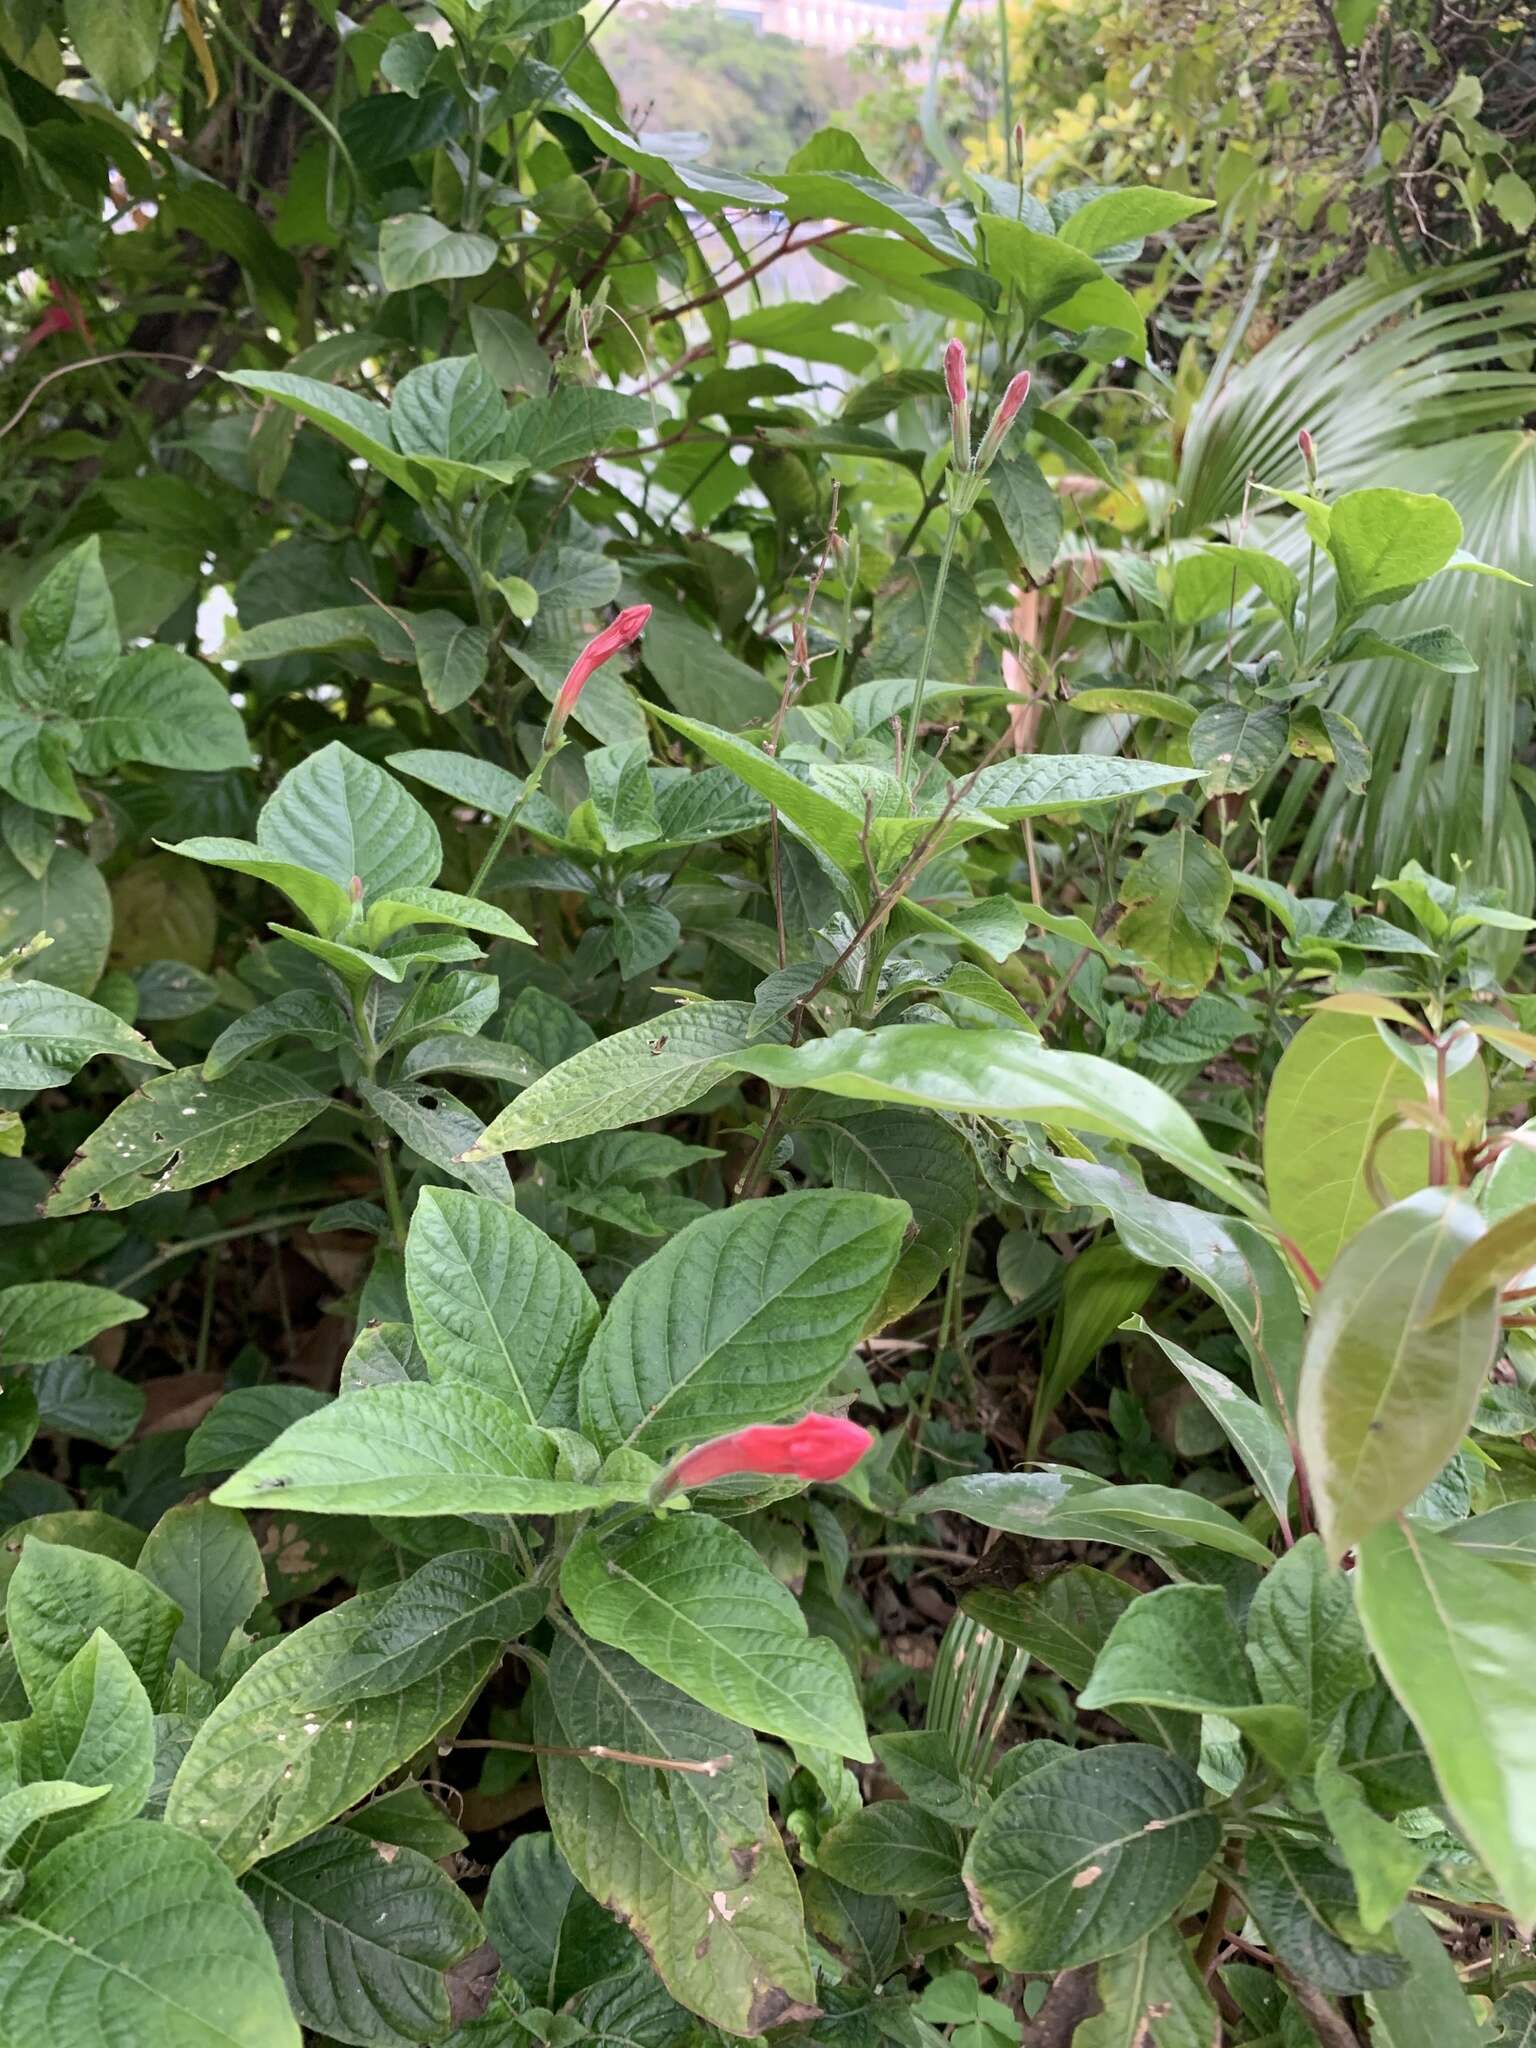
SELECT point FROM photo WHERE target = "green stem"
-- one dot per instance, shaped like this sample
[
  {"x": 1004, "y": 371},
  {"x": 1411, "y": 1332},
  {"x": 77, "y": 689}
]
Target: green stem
[
  {"x": 915, "y": 714},
  {"x": 493, "y": 851},
  {"x": 281, "y": 1221},
  {"x": 383, "y": 1151}
]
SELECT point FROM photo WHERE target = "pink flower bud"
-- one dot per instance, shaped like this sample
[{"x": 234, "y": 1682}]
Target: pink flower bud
[
  {"x": 625, "y": 630},
  {"x": 959, "y": 402},
  {"x": 1308, "y": 453},
  {"x": 818, "y": 1447},
  {"x": 1007, "y": 412}
]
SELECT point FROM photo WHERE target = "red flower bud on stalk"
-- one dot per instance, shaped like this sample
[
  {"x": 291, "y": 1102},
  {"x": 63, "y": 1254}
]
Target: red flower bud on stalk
[
  {"x": 1007, "y": 412},
  {"x": 959, "y": 401},
  {"x": 817, "y": 1447},
  {"x": 624, "y": 632},
  {"x": 1308, "y": 449}
]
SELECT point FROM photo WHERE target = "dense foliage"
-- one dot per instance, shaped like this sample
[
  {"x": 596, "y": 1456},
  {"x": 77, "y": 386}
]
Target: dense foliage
[{"x": 768, "y": 1222}]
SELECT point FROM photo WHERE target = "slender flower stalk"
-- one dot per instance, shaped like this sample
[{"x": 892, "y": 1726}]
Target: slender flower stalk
[{"x": 818, "y": 1447}]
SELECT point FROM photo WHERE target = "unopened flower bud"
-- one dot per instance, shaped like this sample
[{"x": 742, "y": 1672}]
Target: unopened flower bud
[
  {"x": 959, "y": 402},
  {"x": 624, "y": 631},
  {"x": 818, "y": 1447},
  {"x": 1007, "y": 412},
  {"x": 1308, "y": 454}
]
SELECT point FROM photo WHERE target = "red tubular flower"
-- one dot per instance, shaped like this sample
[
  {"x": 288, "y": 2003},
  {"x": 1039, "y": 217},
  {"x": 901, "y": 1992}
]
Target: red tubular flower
[
  {"x": 959, "y": 401},
  {"x": 624, "y": 632},
  {"x": 1007, "y": 412},
  {"x": 817, "y": 1447}
]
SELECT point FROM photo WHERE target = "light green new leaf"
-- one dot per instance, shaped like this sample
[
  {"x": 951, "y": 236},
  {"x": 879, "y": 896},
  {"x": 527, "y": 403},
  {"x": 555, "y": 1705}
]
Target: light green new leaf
[
  {"x": 1304, "y": 1640},
  {"x": 1505, "y": 1249},
  {"x": 691, "y": 1600},
  {"x": 330, "y": 1710},
  {"x": 1126, "y": 215},
  {"x": 325, "y": 903},
  {"x": 443, "y": 1448},
  {"x": 1450, "y": 1633},
  {"x": 205, "y": 1559},
  {"x": 118, "y": 45},
  {"x": 137, "y": 1933},
  {"x": 1043, "y": 269},
  {"x": 179, "y": 1131},
  {"x": 1384, "y": 1401},
  {"x": 363, "y": 1939},
  {"x": 742, "y": 1317},
  {"x": 1177, "y": 1648},
  {"x": 1176, "y": 896},
  {"x": 1336, "y": 1085},
  {"x": 47, "y": 1034},
  {"x": 24, "y": 1806},
  {"x": 416, "y": 249},
  {"x": 1382, "y": 1861},
  {"x": 59, "y": 1596},
  {"x": 1436, "y": 647},
  {"x": 93, "y": 1726},
  {"x": 495, "y": 1301},
  {"x": 1384, "y": 543},
  {"x": 1048, "y": 785},
  {"x": 357, "y": 423},
  {"x": 161, "y": 706},
  {"x": 644, "y": 1072},
  {"x": 1086, "y": 1855},
  {"x": 42, "y": 1319},
  {"x": 341, "y": 815}
]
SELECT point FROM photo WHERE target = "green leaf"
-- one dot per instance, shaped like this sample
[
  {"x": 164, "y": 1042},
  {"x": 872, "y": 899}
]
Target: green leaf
[
  {"x": 1106, "y": 303},
  {"x": 575, "y": 423},
  {"x": 357, "y": 423},
  {"x": 1045, "y": 785},
  {"x": 1086, "y": 1855},
  {"x": 1298, "y": 1894},
  {"x": 18, "y": 1421},
  {"x": 1152, "y": 1992},
  {"x": 1337, "y": 1084},
  {"x": 1450, "y": 1635},
  {"x": 93, "y": 1726},
  {"x": 330, "y": 1710},
  {"x": 179, "y": 1131},
  {"x": 452, "y": 657},
  {"x": 365, "y": 628},
  {"x": 1029, "y": 509},
  {"x": 915, "y": 1157},
  {"x": 1276, "y": 579},
  {"x": 1382, "y": 1862},
  {"x": 1043, "y": 269},
  {"x": 552, "y": 1937},
  {"x": 205, "y": 1559},
  {"x": 1234, "y": 747},
  {"x": 363, "y": 1938},
  {"x": 1224, "y": 1255},
  {"x": 75, "y": 1394},
  {"x": 416, "y": 249},
  {"x": 69, "y": 902},
  {"x": 442, "y": 1130},
  {"x": 724, "y": 1930},
  {"x": 1512, "y": 198},
  {"x": 830, "y": 178},
  {"x": 298, "y": 1013},
  {"x": 1067, "y": 1504},
  {"x": 743, "y": 1317},
  {"x": 691, "y": 1600},
  {"x": 894, "y": 1850},
  {"x": 1436, "y": 647},
  {"x": 1177, "y": 1648},
  {"x": 161, "y": 706},
  {"x": 324, "y": 902},
  {"x": 243, "y": 1422},
  {"x": 1175, "y": 897},
  {"x": 1430, "y": 2008},
  {"x": 480, "y": 784},
  {"x": 24, "y": 1806},
  {"x": 496, "y": 1301},
  {"x": 57, "y": 1599},
  {"x": 922, "y": 1762},
  {"x": 67, "y": 631},
  {"x": 1503, "y": 1250},
  {"x": 1304, "y": 1640},
  {"x": 1384, "y": 543},
  {"x": 42, "y": 1319},
  {"x": 1126, "y": 215},
  {"x": 118, "y": 45},
  {"x": 340, "y": 815},
  {"x": 1383, "y": 1400},
  {"x": 999, "y": 1074},
  {"x": 644, "y": 1072},
  {"x": 444, "y": 1448},
  {"x": 1257, "y": 1438}
]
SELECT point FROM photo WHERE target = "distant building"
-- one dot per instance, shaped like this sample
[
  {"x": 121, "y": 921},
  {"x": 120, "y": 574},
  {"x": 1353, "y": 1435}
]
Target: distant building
[{"x": 835, "y": 24}]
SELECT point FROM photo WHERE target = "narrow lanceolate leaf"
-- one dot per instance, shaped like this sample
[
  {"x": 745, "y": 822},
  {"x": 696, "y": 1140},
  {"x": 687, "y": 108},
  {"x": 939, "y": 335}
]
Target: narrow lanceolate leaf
[
  {"x": 136, "y": 1933},
  {"x": 1258, "y": 1440},
  {"x": 643, "y": 1072},
  {"x": 1384, "y": 1400},
  {"x": 445, "y": 1448},
  {"x": 180, "y": 1131},
  {"x": 363, "y": 1937},
  {"x": 47, "y": 1035},
  {"x": 1449, "y": 1632},
  {"x": 691, "y": 1600},
  {"x": 1086, "y": 1855},
  {"x": 729, "y": 1944},
  {"x": 743, "y": 1317},
  {"x": 1504, "y": 1250},
  {"x": 495, "y": 1301},
  {"x": 1001, "y": 1074},
  {"x": 330, "y": 1710}
]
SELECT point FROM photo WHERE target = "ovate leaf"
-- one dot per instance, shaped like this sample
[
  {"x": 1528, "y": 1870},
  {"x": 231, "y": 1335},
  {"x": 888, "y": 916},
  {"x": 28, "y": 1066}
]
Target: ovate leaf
[
  {"x": 58, "y": 1598},
  {"x": 205, "y": 1559},
  {"x": 48, "y": 1034}
]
